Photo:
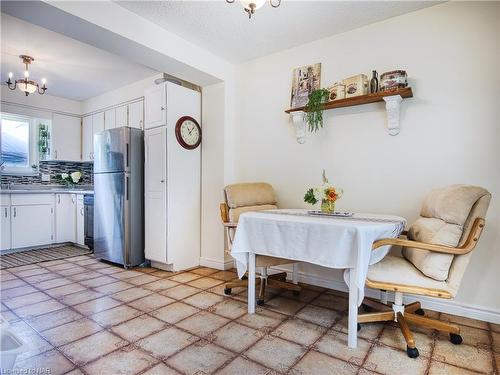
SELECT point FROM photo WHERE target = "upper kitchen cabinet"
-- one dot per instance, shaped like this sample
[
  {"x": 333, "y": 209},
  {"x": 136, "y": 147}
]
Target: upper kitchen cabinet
[
  {"x": 121, "y": 116},
  {"x": 66, "y": 137},
  {"x": 87, "y": 138},
  {"x": 109, "y": 119},
  {"x": 155, "y": 103},
  {"x": 136, "y": 114},
  {"x": 97, "y": 122}
]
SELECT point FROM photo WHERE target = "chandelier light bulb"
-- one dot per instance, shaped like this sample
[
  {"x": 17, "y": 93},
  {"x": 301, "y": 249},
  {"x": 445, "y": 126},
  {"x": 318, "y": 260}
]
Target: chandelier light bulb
[
  {"x": 10, "y": 75},
  {"x": 44, "y": 81}
]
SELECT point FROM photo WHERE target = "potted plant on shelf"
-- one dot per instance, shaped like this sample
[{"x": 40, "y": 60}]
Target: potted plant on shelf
[
  {"x": 313, "y": 111},
  {"x": 326, "y": 194}
]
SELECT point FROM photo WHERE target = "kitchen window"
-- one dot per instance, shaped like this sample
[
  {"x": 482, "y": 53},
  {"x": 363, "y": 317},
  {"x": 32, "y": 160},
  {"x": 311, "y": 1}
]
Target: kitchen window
[{"x": 19, "y": 144}]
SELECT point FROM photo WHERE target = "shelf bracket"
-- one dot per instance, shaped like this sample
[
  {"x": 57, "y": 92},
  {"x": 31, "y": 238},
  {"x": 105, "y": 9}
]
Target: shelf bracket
[
  {"x": 392, "y": 105},
  {"x": 299, "y": 125}
]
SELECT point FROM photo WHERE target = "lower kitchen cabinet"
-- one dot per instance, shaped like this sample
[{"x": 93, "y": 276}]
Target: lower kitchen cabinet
[
  {"x": 5, "y": 243},
  {"x": 32, "y": 220},
  {"x": 65, "y": 218},
  {"x": 31, "y": 225}
]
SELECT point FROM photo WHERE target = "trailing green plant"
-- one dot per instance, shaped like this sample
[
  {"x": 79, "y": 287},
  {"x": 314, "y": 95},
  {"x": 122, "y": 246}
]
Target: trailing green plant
[{"x": 314, "y": 113}]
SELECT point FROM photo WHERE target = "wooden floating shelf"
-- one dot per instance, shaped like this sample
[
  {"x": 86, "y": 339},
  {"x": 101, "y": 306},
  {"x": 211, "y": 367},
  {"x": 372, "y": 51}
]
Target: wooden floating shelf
[{"x": 362, "y": 99}]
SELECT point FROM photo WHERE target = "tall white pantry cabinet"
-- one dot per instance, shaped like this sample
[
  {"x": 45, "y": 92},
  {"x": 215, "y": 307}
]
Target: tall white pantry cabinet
[{"x": 172, "y": 179}]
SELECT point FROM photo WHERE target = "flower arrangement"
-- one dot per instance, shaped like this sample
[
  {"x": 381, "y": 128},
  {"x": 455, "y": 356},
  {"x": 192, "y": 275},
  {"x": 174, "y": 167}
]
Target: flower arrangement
[
  {"x": 326, "y": 194},
  {"x": 70, "y": 179}
]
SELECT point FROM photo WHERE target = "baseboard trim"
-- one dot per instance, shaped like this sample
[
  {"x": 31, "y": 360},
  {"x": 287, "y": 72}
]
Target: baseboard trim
[
  {"x": 217, "y": 264},
  {"x": 445, "y": 306}
]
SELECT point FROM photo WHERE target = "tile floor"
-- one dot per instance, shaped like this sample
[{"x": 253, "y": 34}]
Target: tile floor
[{"x": 81, "y": 316}]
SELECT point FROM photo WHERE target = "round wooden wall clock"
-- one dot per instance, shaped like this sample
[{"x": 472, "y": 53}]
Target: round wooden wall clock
[{"x": 188, "y": 132}]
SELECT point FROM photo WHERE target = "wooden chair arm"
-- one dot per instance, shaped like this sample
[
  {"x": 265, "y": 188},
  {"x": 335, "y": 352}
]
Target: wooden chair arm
[
  {"x": 224, "y": 212},
  {"x": 468, "y": 246}
]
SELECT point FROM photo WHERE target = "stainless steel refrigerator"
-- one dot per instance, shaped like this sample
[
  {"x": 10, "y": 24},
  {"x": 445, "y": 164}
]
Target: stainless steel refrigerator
[{"x": 119, "y": 196}]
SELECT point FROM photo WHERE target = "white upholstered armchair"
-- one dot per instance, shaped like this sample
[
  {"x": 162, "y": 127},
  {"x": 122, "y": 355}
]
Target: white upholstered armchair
[{"x": 436, "y": 253}]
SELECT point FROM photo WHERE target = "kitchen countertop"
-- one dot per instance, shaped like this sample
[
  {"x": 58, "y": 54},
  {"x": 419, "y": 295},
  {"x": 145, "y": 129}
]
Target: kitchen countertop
[{"x": 47, "y": 190}]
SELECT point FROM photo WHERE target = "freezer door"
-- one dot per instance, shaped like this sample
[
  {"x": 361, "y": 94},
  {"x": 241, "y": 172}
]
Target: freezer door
[
  {"x": 112, "y": 150},
  {"x": 111, "y": 217}
]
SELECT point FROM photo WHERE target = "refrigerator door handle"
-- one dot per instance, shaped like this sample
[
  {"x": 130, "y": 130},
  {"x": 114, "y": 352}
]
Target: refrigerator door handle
[
  {"x": 128, "y": 154},
  {"x": 127, "y": 188}
]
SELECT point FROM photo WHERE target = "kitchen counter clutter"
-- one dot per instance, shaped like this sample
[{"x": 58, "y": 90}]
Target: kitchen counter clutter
[{"x": 32, "y": 216}]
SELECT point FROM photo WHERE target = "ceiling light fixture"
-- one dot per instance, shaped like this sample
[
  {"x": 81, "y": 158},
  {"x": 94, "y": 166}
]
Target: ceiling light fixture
[
  {"x": 26, "y": 85},
  {"x": 251, "y": 6}
]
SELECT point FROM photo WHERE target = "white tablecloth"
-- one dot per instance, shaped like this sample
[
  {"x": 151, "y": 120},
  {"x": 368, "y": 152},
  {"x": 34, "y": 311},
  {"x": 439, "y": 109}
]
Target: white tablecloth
[{"x": 333, "y": 242}]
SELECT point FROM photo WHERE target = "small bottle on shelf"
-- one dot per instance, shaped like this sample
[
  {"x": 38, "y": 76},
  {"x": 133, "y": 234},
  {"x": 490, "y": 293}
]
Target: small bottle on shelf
[{"x": 374, "y": 82}]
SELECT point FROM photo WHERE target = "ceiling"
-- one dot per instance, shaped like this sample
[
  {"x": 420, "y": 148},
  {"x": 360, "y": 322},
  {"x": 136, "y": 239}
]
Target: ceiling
[
  {"x": 225, "y": 29},
  {"x": 73, "y": 69}
]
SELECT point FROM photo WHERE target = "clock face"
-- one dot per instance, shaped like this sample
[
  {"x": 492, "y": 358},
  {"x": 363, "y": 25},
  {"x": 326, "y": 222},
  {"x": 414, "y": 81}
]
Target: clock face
[{"x": 188, "y": 132}]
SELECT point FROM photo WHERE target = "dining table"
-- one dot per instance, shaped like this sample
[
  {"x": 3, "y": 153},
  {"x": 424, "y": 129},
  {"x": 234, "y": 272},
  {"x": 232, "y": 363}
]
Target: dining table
[{"x": 340, "y": 241}]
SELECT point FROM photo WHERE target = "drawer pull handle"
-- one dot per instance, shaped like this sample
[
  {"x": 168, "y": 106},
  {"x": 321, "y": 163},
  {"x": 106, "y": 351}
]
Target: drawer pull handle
[{"x": 15, "y": 212}]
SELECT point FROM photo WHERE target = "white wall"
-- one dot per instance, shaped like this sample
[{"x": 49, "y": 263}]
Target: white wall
[
  {"x": 36, "y": 105},
  {"x": 212, "y": 179},
  {"x": 120, "y": 95},
  {"x": 450, "y": 129}
]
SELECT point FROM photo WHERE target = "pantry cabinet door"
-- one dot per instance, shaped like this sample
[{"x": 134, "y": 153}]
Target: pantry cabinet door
[
  {"x": 155, "y": 104},
  {"x": 66, "y": 137}
]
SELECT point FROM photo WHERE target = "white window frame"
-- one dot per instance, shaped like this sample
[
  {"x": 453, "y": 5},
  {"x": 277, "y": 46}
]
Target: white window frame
[{"x": 33, "y": 146}]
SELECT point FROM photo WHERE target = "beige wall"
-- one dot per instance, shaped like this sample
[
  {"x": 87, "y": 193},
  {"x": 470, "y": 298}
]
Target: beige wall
[{"x": 450, "y": 129}]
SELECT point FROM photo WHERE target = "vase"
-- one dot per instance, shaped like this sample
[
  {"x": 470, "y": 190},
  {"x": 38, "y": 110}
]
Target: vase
[{"x": 327, "y": 206}]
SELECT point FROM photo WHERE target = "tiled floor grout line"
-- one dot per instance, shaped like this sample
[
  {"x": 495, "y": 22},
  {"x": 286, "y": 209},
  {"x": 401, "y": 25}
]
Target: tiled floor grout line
[
  {"x": 373, "y": 344},
  {"x": 207, "y": 309}
]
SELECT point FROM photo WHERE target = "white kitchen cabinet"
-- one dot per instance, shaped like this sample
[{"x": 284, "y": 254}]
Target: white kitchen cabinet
[
  {"x": 136, "y": 114},
  {"x": 121, "y": 116},
  {"x": 65, "y": 218},
  {"x": 31, "y": 225},
  {"x": 87, "y": 138},
  {"x": 97, "y": 122},
  {"x": 155, "y": 141},
  {"x": 109, "y": 119},
  {"x": 80, "y": 221},
  {"x": 66, "y": 137},
  {"x": 5, "y": 240},
  {"x": 155, "y": 105}
]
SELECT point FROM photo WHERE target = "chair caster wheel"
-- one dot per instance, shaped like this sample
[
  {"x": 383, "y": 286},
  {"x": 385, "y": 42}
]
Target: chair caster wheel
[
  {"x": 366, "y": 308},
  {"x": 296, "y": 293},
  {"x": 260, "y": 302},
  {"x": 359, "y": 327},
  {"x": 455, "y": 339},
  {"x": 420, "y": 312},
  {"x": 227, "y": 291},
  {"x": 412, "y": 352}
]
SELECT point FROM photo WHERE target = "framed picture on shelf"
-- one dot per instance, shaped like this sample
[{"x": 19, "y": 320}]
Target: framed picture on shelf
[{"x": 305, "y": 80}]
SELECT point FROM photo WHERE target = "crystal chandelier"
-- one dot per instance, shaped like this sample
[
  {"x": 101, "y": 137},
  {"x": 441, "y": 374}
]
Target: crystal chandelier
[
  {"x": 26, "y": 85},
  {"x": 251, "y": 6}
]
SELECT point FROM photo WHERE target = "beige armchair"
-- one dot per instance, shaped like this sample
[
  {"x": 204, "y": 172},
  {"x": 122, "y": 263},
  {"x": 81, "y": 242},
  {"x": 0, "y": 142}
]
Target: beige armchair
[
  {"x": 249, "y": 197},
  {"x": 435, "y": 256}
]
